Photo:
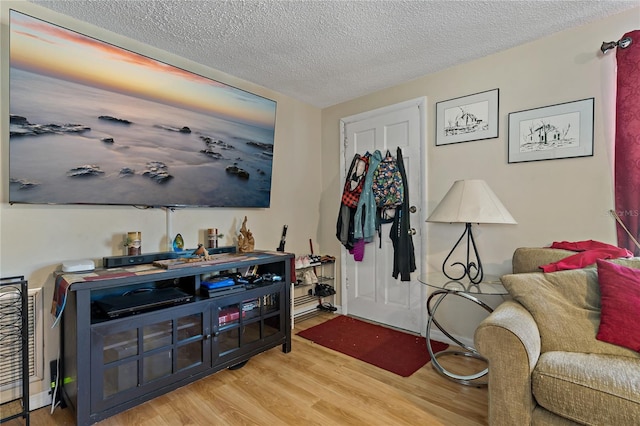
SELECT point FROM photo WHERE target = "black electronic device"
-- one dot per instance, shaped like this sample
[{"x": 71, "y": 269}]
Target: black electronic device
[
  {"x": 221, "y": 291},
  {"x": 141, "y": 301},
  {"x": 118, "y": 261},
  {"x": 217, "y": 283}
]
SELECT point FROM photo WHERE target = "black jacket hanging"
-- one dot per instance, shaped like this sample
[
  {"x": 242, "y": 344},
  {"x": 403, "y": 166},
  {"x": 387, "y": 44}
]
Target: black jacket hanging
[{"x": 404, "y": 261}]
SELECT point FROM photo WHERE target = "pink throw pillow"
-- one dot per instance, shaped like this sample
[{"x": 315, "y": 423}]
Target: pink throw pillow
[{"x": 620, "y": 302}]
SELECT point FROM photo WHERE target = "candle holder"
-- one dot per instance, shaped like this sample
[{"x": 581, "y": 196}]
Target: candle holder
[
  {"x": 212, "y": 237},
  {"x": 134, "y": 243}
]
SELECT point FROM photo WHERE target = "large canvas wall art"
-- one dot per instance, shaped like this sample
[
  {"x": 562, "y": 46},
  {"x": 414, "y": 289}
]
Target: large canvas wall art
[{"x": 93, "y": 123}]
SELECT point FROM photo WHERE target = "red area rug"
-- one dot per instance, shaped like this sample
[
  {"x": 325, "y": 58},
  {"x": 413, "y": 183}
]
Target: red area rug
[{"x": 395, "y": 351}]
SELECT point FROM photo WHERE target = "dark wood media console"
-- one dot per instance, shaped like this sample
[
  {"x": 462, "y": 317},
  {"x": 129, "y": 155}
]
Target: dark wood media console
[{"x": 111, "y": 365}]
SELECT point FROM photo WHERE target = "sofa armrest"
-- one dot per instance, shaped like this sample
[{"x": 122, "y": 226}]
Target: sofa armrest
[{"x": 510, "y": 341}]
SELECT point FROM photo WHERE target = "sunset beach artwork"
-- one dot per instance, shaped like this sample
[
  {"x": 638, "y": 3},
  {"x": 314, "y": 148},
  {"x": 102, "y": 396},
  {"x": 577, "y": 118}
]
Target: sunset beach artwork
[{"x": 93, "y": 123}]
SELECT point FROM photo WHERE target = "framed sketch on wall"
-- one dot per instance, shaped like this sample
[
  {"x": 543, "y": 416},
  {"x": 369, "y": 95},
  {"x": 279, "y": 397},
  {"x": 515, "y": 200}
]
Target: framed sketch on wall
[
  {"x": 552, "y": 132},
  {"x": 467, "y": 118}
]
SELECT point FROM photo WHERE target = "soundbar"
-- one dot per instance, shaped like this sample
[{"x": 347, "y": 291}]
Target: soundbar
[{"x": 119, "y": 261}]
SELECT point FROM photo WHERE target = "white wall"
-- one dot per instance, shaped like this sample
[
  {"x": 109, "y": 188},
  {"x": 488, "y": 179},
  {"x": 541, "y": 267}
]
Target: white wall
[
  {"x": 565, "y": 199},
  {"x": 35, "y": 239}
]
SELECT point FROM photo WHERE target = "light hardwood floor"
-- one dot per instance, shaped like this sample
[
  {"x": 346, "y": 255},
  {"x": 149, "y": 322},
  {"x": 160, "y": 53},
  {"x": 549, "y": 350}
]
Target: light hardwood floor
[{"x": 311, "y": 385}]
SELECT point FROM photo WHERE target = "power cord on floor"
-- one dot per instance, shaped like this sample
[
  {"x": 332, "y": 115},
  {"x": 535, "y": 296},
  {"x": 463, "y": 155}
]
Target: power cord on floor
[{"x": 56, "y": 383}]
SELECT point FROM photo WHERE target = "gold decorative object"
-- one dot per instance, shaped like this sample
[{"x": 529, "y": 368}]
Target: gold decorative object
[{"x": 246, "y": 242}]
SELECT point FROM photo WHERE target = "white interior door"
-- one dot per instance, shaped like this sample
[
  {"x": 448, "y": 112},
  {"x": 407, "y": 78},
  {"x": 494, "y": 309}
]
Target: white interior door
[{"x": 370, "y": 289}]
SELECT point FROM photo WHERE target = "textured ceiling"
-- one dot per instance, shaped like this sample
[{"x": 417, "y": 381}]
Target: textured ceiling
[{"x": 327, "y": 52}]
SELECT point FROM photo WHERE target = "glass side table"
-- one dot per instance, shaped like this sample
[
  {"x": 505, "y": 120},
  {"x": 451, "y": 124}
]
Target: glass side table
[{"x": 490, "y": 286}]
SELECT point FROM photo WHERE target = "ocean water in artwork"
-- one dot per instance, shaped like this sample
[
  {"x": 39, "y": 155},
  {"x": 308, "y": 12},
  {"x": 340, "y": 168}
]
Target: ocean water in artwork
[{"x": 77, "y": 143}]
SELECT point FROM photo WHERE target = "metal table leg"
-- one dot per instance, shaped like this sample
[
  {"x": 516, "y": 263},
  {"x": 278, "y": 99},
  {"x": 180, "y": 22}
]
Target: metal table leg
[{"x": 469, "y": 380}]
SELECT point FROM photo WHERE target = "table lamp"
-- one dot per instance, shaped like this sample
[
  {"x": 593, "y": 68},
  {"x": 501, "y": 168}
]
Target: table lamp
[{"x": 469, "y": 201}]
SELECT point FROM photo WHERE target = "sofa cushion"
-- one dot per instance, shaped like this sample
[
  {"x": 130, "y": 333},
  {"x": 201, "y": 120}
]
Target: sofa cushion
[
  {"x": 631, "y": 262},
  {"x": 620, "y": 300},
  {"x": 588, "y": 388},
  {"x": 530, "y": 259},
  {"x": 566, "y": 308}
]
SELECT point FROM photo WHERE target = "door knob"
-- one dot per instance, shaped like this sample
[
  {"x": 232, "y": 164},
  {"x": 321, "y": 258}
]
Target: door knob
[
  {"x": 413, "y": 209},
  {"x": 412, "y": 231}
]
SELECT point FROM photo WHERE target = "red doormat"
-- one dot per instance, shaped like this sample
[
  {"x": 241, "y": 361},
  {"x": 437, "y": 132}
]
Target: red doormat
[{"x": 393, "y": 350}]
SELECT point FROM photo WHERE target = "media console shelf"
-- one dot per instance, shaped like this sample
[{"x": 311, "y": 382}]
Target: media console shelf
[{"x": 110, "y": 365}]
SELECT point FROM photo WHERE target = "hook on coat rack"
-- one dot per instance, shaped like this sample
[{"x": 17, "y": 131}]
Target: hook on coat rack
[{"x": 608, "y": 45}]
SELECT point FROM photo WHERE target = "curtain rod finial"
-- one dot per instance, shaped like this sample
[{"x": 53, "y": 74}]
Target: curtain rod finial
[
  {"x": 625, "y": 42},
  {"x": 608, "y": 45}
]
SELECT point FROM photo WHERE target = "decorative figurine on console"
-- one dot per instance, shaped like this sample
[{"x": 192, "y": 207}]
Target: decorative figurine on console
[
  {"x": 246, "y": 242},
  {"x": 202, "y": 253}
]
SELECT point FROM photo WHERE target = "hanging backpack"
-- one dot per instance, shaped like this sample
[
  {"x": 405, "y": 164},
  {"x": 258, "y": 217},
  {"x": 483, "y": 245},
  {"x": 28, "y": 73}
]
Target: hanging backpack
[
  {"x": 388, "y": 191},
  {"x": 387, "y": 186}
]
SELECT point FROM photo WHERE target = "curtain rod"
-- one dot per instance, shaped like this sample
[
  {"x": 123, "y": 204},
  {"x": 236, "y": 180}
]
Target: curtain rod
[
  {"x": 608, "y": 45},
  {"x": 615, "y": 215}
]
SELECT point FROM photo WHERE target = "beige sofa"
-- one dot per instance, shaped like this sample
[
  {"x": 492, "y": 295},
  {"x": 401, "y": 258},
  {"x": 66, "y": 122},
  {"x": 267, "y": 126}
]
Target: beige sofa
[{"x": 546, "y": 366}]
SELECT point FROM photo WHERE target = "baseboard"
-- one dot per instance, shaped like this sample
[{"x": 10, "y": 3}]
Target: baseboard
[{"x": 39, "y": 400}]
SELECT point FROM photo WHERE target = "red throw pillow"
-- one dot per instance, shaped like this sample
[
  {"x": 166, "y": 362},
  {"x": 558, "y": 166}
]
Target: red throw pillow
[{"x": 620, "y": 302}]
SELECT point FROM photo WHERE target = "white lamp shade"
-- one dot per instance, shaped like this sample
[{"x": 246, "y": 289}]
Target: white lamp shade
[{"x": 471, "y": 201}]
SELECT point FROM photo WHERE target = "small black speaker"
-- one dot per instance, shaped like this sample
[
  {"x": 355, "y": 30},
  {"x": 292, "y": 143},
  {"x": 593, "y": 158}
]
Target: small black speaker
[{"x": 118, "y": 261}]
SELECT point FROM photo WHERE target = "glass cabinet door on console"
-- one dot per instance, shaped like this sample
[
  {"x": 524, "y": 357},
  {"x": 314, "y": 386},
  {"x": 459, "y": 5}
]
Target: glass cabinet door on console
[
  {"x": 243, "y": 324},
  {"x": 131, "y": 355}
]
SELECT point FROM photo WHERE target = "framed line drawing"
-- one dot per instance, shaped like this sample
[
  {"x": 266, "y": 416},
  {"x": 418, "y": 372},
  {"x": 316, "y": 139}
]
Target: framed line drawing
[
  {"x": 467, "y": 118},
  {"x": 552, "y": 132}
]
